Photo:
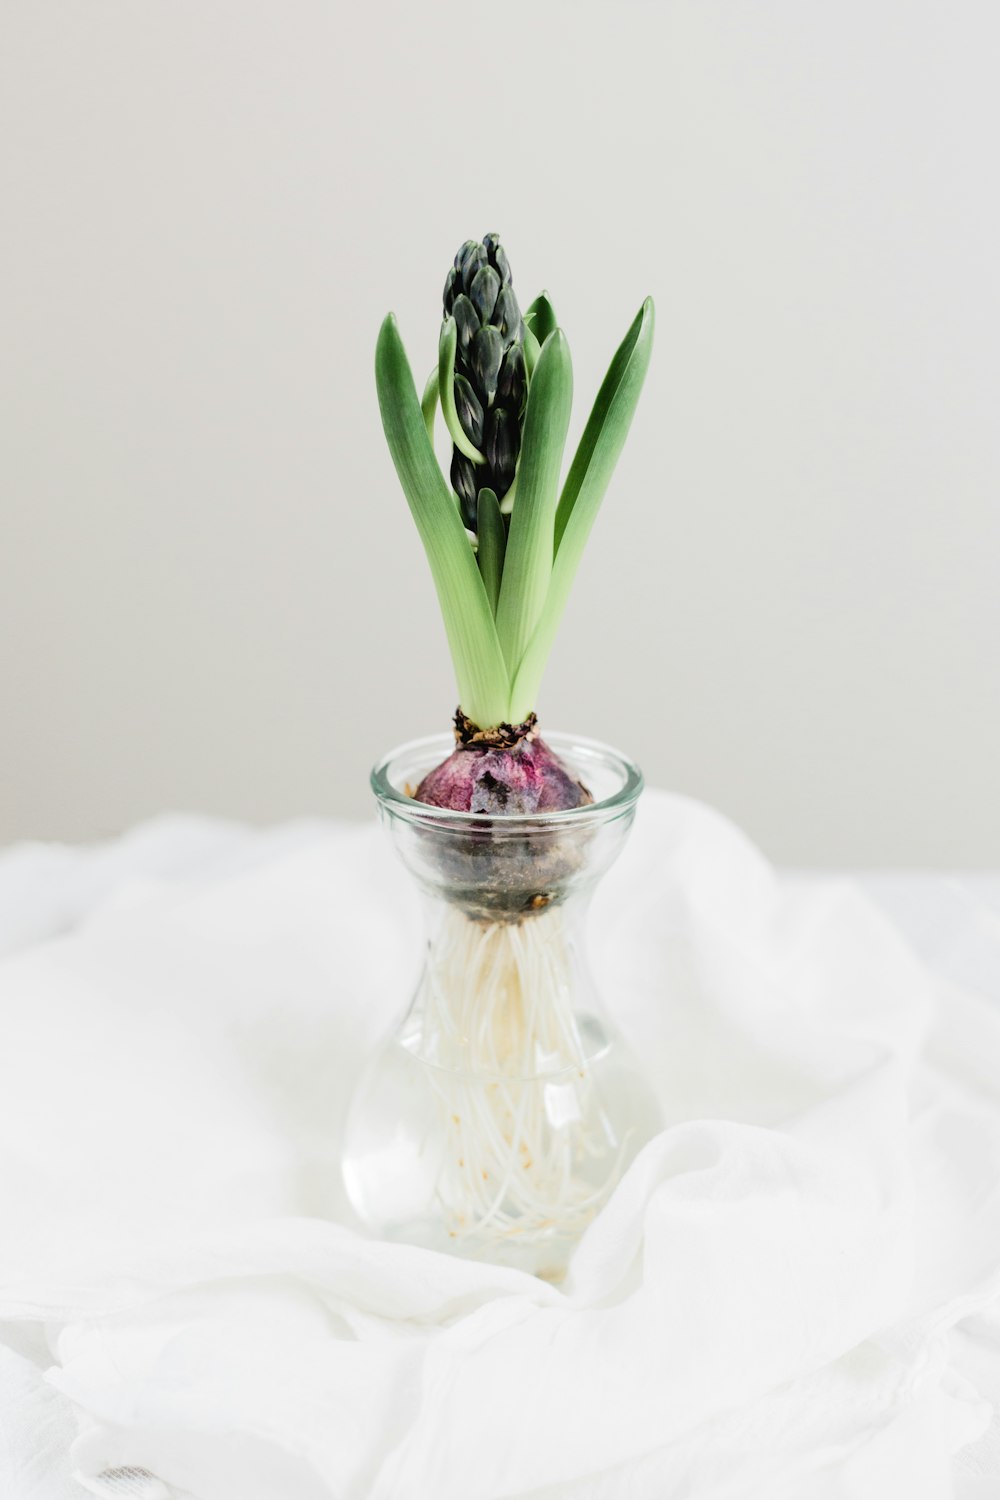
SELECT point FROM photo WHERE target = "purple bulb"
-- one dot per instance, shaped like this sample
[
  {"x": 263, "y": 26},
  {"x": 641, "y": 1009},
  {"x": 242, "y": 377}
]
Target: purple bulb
[{"x": 483, "y": 776}]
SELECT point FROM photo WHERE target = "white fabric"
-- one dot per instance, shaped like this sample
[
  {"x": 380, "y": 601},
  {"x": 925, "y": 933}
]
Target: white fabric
[{"x": 794, "y": 1294}]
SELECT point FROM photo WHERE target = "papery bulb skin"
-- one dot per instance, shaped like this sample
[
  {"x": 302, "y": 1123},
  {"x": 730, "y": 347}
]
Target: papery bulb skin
[
  {"x": 526, "y": 779},
  {"x": 501, "y": 772}
]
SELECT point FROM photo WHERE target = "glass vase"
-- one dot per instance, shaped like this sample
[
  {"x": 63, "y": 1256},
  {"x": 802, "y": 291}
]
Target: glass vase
[{"x": 497, "y": 1119}]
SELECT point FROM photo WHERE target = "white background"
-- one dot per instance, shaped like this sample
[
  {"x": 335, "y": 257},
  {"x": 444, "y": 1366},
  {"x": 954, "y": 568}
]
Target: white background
[{"x": 211, "y": 592}]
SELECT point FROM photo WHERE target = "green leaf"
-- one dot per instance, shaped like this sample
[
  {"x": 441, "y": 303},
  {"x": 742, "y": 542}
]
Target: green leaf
[
  {"x": 507, "y": 503},
  {"x": 607, "y": 428},
  {"x": 528, "y": 562},
  {"x": 429, "y": 402},
  {"x": 541, "y": 317},
  {"x": 483, "y": 680},
  {"x": 446, "y": 393},
  {"x": 590, "y": 472},
  {"x": 492, "y": 536}
]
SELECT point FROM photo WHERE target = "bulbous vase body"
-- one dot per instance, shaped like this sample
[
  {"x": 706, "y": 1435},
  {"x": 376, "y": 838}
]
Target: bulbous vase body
[{"x": 499, "y": 1116}]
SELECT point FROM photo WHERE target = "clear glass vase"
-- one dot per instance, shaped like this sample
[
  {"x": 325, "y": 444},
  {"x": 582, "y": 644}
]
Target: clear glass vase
[{"x": 499, "y": 1116}]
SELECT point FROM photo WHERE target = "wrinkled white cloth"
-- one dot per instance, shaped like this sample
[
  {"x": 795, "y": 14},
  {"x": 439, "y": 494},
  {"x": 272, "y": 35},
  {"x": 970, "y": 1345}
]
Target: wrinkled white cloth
[{"x": 793, "y": 1294}]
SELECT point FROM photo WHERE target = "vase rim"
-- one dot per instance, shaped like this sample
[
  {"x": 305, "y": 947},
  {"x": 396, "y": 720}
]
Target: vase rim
[{"x": 581, "y": 752}]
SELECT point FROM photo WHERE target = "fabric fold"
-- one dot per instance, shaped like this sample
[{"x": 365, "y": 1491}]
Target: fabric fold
[{"x": 771, "y": 1303}]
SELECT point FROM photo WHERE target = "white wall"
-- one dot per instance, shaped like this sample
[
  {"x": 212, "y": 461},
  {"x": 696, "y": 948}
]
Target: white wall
[{"x": 211, "y": 592}]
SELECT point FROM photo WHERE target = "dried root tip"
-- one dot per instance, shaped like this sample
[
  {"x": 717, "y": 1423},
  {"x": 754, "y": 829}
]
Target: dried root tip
[{"x": 500, "y": 737}]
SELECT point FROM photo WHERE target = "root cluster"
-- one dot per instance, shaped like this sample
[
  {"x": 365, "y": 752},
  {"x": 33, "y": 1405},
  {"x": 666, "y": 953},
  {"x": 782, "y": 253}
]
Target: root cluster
[{"x": 530, "y": 1149}]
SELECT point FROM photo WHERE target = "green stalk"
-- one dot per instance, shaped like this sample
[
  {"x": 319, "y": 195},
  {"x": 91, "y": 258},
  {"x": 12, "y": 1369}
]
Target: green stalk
[
  {"x": 447, "y": 346},
  {"x": 429, "y": 403},
  {"x": 532, "y": 349},
  {"x": 483, "y": 679}
]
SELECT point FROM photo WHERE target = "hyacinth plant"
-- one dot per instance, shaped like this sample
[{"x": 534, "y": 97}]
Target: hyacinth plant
[
  {"x": 503, "y": 539},
  {"x": 521, "y": 1139}
]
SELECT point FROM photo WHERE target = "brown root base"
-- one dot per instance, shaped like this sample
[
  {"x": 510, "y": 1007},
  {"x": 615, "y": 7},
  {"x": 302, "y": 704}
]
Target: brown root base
[{"x": 499, "y": 737}]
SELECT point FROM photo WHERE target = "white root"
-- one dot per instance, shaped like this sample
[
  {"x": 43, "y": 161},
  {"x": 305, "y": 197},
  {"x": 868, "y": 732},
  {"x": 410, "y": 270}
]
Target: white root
[{"x": 530, "y": 1152}]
